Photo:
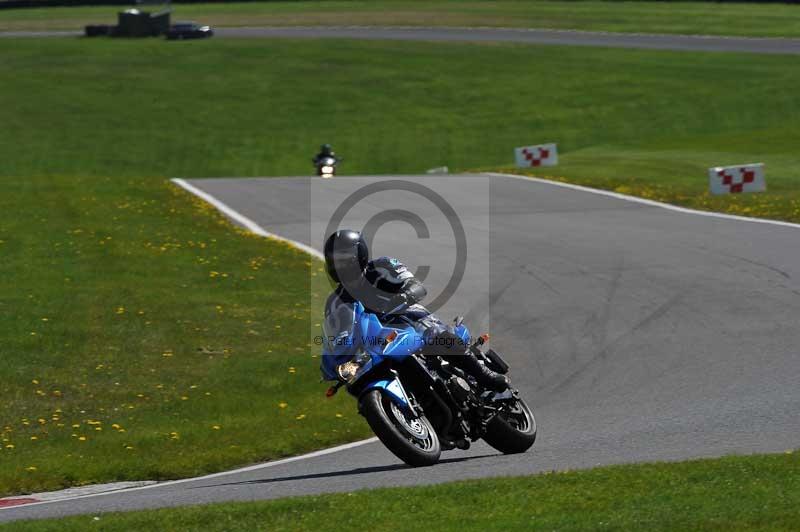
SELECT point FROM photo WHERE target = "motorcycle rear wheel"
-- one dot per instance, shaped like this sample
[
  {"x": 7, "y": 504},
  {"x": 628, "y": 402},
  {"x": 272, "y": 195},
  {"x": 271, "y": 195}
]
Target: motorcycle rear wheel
[
  {"x": 412, "y": 440},
  {"x": 514, "y": 431}
]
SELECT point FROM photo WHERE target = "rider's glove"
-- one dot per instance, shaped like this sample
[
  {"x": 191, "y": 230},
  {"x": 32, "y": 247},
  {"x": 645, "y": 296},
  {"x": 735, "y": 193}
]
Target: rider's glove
[
  {"x": 414, "y": 291},
  {"x": 397, "y": 302}
]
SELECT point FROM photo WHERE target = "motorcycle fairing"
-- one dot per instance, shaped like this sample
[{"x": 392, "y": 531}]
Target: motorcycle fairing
[
  {"x": 369, "y": 336},
  {"x": 463, "y": 333}
]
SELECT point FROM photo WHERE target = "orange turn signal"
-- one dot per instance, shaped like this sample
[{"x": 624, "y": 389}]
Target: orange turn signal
[
  {"x": 391, "y": 336},
  {"x": 484, "y": 338}
]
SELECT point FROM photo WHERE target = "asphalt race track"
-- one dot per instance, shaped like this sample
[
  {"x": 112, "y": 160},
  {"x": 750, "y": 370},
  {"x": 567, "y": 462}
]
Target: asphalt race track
[
  {"x": 638, "y": 333},
  {"x": 517, "y": 35},
  {"x": 531, "y": 36}
]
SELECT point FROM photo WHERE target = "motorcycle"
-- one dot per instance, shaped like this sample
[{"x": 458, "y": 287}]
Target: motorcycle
[
  {"x": 419, "y": 405},
  {"x": 326, "y": 166}
]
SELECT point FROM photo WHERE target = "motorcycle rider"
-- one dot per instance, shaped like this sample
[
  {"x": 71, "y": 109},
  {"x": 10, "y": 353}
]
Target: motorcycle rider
[
  {"x": 324, "y": 151},
  {"x": 385, "y": 287}
]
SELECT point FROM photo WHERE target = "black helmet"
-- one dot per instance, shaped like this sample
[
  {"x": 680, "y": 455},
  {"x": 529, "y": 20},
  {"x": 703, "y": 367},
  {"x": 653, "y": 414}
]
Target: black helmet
[
  {"x": 346, "y": 255},
  {"x": 326, "y": 149}
]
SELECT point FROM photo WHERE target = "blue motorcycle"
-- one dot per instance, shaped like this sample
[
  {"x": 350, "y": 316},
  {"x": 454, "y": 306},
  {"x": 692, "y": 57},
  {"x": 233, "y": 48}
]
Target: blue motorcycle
[{"x": 419, "y": 405}]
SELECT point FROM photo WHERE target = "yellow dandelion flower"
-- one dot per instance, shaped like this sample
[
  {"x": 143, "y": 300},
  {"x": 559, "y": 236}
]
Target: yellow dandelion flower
[
  {"x": 339, "y": 415},
  {"x": 34, "y": 381},
  {"x": 215, "y": 427},
  {"x": 30, "y": 468},
  {"x": 34, "y": 438},
  {"x": 81, "y": 438},
  {"x": 282, "y": 405},
  {"x": 301, "y": 416},
  {"x": 9, "y": 446}
]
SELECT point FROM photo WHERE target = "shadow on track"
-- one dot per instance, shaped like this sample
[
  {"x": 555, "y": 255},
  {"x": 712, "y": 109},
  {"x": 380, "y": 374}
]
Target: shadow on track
[{"x": 331, "y": 474}]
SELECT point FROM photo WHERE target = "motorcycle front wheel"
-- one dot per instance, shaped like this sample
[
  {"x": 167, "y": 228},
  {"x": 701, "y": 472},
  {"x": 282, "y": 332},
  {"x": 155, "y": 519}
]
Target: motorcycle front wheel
[
  {"x": 512, "y": 431},
  {"x": 412, "y": 440}
]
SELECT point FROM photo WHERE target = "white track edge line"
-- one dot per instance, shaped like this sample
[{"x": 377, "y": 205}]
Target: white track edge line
[
  {"x": 644, "y": 201},
  {"x": 242, "y": 219},
  {"x": 255, "y": 467}
]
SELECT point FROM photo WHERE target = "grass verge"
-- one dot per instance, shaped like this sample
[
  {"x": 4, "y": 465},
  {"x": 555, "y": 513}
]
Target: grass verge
[
  {"x": 732, "y": 493},
  {"x": 772, "y": 20},
  {"x": 120, "y": 296},
  {"x": 145, "y": 337},
  {"x": 641, "y": 122},
  {"x": 677, "y": 177}
]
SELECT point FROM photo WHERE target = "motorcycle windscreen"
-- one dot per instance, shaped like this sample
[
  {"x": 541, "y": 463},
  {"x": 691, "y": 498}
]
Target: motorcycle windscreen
[{"x": 339, "y": 342}]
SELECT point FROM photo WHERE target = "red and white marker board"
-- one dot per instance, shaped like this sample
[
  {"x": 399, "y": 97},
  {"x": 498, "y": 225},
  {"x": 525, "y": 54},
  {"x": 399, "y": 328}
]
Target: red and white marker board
[
  {"x": 533, "y": 156},
  {"x": 737, "y": 179}
]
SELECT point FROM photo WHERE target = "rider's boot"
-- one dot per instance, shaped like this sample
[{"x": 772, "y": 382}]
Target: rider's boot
[
  {"x": 485, "y": 377},
  {"x": 444, "y": 343}
]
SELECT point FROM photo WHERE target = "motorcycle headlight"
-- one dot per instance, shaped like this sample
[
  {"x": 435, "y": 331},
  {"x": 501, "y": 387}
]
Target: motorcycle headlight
[
  {"x": 347, "y": 371},
  {"x": 350, "y": 369},
  {"x": 327, "y": 169}
]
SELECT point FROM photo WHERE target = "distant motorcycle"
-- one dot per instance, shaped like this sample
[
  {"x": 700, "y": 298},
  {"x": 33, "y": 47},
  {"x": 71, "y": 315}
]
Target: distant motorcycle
[
  {"x": 420, "y": 405},
  {"x": 326, "y": 166}
]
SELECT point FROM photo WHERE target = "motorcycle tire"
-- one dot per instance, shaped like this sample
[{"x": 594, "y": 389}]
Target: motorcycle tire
[
  {"x": 511, "y": 434},
  {"x": 414, "y": 441}
]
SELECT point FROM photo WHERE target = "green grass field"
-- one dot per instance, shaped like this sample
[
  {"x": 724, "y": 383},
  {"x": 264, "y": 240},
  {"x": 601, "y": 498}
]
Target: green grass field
[
  {"x": 642, "y": 122},
  {"x": 144, "y": 337},
  {"x": 768, "y": 20},
  {"x": 124, "y": 303},
  {"x": 734, "y": 493}
]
